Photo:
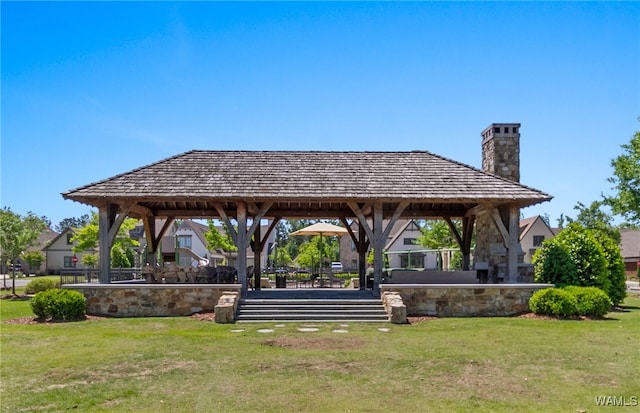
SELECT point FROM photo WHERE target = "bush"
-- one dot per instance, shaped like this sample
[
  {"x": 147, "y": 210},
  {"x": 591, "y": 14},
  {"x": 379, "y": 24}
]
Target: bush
[
  {"x": 591, "y": 301},
  {"x": 573, "y": 257},
  {"x": 553, "y": 264},
  {"x": 617, "y": 272},
  {"x": 59, "y": 305},
  {"x": 40, "y": 284},
  {"x": 553, "y": 301}
]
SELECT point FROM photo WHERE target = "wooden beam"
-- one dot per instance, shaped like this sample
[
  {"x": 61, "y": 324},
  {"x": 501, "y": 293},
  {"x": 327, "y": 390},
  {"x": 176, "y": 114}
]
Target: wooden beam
[
  {"x": 362, "y": 219},
  {"x": 225, "y": 218},
  {"x": 497, "y": 220},
  {"x": 396, "y": 214},
  {"x": 455, "y": 232}
]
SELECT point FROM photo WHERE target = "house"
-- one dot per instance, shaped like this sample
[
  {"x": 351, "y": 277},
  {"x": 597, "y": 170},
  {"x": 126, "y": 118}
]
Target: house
[
  {"x": 44, "y": 239},
  {"x": 59, "y": 253},
  {"x": 533, "y": 231},
  {"x": 630, "y": 248},
  {"x": 401, "y": 244},
  {"x": 189, "y": 238}
]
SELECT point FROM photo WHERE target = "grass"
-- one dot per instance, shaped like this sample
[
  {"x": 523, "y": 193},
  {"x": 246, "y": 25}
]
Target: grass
[{"x": 450, "y": 364}]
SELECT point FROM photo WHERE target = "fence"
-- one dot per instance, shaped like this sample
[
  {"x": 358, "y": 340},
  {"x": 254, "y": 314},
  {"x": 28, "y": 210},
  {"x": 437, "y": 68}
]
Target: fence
[{"x": 77, "y": 276}]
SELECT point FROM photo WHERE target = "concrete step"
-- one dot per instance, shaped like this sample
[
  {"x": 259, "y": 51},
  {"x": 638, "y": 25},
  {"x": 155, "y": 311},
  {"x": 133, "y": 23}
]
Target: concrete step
[{"x": 311, "y": 310}]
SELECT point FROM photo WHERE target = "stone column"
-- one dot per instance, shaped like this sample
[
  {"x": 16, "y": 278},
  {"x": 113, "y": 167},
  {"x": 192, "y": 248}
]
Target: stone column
[{"x": 501, "y": 157}]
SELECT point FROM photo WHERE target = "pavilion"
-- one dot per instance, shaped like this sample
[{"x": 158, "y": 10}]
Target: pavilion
[{"x": 374, "y": 188}]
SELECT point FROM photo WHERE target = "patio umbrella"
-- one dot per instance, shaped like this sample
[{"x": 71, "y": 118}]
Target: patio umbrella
[{"x": 321, "y": 228}]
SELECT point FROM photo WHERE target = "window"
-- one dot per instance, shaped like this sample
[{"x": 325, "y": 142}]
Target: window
[
  {"x": 353, "y": 246},
  {"x": 412, "y": 260},
  {"x": 537, "y": 240},
  {"x": 69, "y": 236},
  {"x": 68, "y": 262},
  {"x": 184, "y": 241},
  {"x": 409, "y": 241}
]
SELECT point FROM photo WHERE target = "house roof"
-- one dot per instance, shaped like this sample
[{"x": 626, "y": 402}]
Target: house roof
[
  {"x": 398, "y": 230},
  {"x": 527, "y": 223},
  {"x": 303, "y": 182}
]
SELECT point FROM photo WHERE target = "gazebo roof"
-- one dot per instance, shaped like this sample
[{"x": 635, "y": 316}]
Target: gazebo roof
[{"x": 305, "y": 183}]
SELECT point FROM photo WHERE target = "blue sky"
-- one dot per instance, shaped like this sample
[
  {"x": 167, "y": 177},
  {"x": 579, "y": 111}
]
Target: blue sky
[{"x": 90, "y": 90}]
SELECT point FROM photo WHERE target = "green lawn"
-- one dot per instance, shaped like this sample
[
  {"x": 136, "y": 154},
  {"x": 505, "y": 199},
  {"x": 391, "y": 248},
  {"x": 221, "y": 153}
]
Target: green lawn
[{"x": 443, "y": 365}]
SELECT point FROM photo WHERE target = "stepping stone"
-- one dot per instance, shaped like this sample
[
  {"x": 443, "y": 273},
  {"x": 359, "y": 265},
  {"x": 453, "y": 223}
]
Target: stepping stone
[
  {"x": 384, "y": 330},
  {"x": 265, "y": 330},
  {"x": 308, "y": 329},
  {"x": 279, "y": 325},
  {"x": 340, "y": 331},
  {"x": 240, "y": 330}
]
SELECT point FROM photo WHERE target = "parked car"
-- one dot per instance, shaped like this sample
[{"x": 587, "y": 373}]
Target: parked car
[{"x": 337, "y": 266}]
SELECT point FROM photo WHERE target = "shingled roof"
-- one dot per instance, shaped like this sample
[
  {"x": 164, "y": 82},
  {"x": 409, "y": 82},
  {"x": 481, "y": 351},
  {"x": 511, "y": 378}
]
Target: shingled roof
[{"x": 305, "y": 183}]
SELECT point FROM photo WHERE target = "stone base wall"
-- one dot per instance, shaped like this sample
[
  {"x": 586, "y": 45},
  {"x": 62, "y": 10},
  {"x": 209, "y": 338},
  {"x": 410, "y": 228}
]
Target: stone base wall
[
  {"x": 151, "y": 300},
  {"x": 460, "y": 300}
]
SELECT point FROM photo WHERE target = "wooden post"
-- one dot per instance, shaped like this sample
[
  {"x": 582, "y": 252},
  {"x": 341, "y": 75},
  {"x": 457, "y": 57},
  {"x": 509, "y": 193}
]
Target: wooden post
[
  {"x": 378, "y": 245},
  {"x": 467, "y": 235},
  {"x": 362, "y": 257},
  {"x": 256, "y": 247},
  {"x": 150, "y": 235},
  {"x": 242, "y": 245},
  {"x": 106, "y": 217}
]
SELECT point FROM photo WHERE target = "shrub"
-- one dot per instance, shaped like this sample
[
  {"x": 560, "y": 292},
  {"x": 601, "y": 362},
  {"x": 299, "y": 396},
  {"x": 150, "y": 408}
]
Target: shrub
[
  {"x": 553, "y": 301},
  {"x": 553, "y": 264},
  {"x": 40, "y": 284},
  {"x": 615, "y": 266},
  {"x": 591, "y": 301},
  {"x": 58, "y": 304},
  {"x": 573, "y": 257}
]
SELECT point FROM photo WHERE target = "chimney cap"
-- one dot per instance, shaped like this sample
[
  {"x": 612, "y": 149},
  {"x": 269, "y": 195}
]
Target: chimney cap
[{"x": 504, "y": 130}]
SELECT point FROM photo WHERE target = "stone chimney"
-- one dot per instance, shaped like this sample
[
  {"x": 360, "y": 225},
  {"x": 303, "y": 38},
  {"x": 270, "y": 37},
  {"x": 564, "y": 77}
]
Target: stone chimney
[
  {"x": 500, "y": 156},
  {"x": 501, "y": 150}
]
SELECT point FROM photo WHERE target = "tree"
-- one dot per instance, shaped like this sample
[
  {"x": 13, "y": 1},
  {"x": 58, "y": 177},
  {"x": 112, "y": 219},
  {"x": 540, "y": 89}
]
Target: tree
[
  {"x": 436, "y": 235},
  {"x": 86, "y": 238},
  {"x": 597, "y": 220},
  {"x": 33, "y": 258},
  {"x": 280, "y": 257},
  {"x": 217, "y": 240},
  {"x": 626, "y": 180},
  {"x": 72, "y": 223},
  {"x": 310, "y": 253},
  {"x": 18, "y": 233},
  {"x": 574, "y": 257}
]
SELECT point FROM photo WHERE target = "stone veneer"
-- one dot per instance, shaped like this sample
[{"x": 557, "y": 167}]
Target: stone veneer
[
  {"x": 151, "y": 300},
  {"x": 464, "y": 300}
]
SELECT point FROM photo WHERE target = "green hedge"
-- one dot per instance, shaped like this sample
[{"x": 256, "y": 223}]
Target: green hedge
[
  {"x": 570, "y": 300},
  {"x": 591, "y": 300},
  {"x": 40, "y": 284},
  {"x": 553, "y": 301},
  {"x": 59, "y": 305}
]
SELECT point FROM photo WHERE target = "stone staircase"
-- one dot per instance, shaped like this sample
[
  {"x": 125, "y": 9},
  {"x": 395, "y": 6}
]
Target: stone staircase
[{"x": 308, "y": 305}]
